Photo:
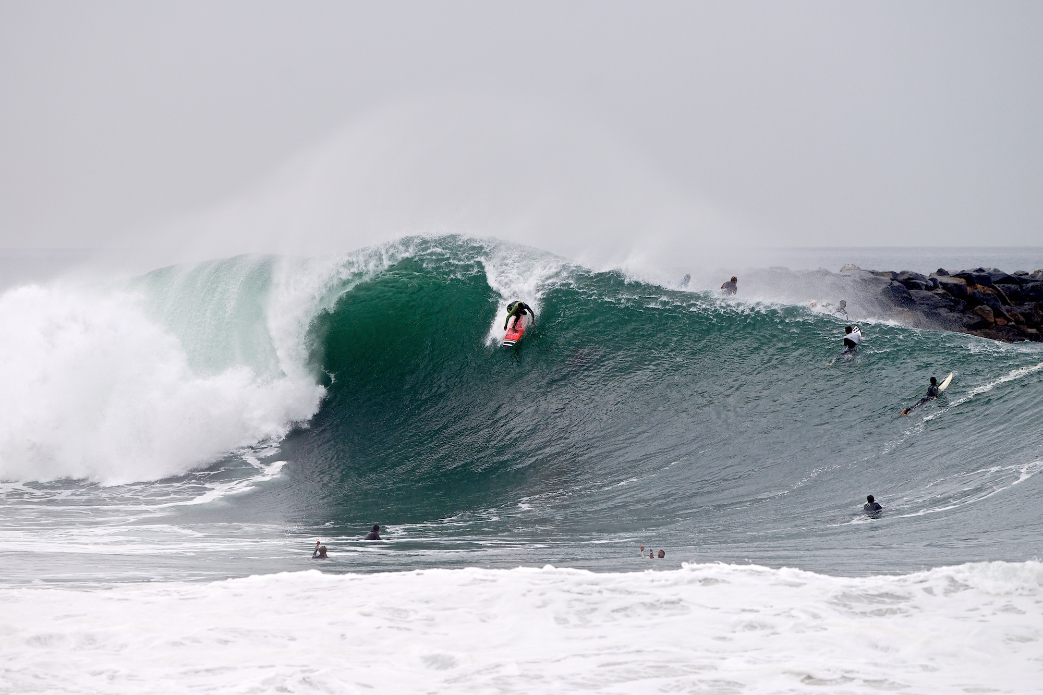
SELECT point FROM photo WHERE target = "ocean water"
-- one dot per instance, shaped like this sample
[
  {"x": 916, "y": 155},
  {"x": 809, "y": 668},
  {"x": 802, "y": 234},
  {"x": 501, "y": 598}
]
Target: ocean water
[{"x": 172, "y": 445}]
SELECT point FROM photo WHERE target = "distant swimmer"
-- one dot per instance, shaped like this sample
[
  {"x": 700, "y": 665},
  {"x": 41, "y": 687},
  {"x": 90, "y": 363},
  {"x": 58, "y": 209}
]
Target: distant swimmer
[
  {"x": 373, "y": 535},
  {"x": 517, "y": 310},
  {"x": 852, "y": 338},
  {"x": 662, "y": 554},
  {"x": 842, "y": 309},
  {"x": 319, "y": 553},
  {"x": 731, "y": 287},
  {"x": 871, "y": 506},
  {"x": 932, "y": 392},
  {"x": 685, "y": 280}
]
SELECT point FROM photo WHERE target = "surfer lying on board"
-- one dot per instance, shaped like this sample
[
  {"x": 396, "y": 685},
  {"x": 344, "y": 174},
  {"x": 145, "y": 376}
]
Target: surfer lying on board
[
  {"x": 932, "y": 393},
  {"x": 518, "y": 309}
]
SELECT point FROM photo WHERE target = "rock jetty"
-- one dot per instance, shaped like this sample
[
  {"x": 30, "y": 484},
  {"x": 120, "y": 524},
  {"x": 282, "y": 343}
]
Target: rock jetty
[{"x": 985, "y": 301}]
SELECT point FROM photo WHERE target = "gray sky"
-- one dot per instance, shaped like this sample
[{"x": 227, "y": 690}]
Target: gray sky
[{"x": 822, "y": 124}]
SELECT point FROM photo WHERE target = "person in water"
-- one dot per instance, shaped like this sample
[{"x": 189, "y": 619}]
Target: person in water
[
  {"x": 932, "y": 393},
  {"x": 685, "y": 280},
  {"x": 871, "y": 506},
  {"x": 730, "y": 287},
  {"x": 842, "y": 309},
  {"x": 518, "y": 309},
  {"x": 662, "y": 554},
  {"x": 374, "y": 534},
  {"x": 319, "y": 553},
  {"x": 852, "y": 337}
]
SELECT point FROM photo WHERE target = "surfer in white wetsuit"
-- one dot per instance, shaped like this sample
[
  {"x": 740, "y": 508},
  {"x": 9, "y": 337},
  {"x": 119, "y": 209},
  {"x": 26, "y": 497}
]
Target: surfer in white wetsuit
[
  {"x": 518, "y": 309},
  {"x": 852, "y": 337},
  {"x": 932, "y": 392}
]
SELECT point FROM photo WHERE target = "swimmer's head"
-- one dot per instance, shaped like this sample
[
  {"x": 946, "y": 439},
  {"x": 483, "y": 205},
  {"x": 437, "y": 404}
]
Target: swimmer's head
[
  {"x": 376, "y": 527},
  {"x": 734, "y": 279},
  {"x": 843, "y": 303},
  {"x": 848, "y": 329},
  {"x": 870, "y": 499},
  {"x": 933, "y": 381}
]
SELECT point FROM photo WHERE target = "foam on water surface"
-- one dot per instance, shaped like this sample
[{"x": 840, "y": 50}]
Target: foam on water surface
[{"x": 702, "y": 628}]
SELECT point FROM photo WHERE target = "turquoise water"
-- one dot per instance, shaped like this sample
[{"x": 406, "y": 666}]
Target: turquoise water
[{"x": 631, "y": 414}]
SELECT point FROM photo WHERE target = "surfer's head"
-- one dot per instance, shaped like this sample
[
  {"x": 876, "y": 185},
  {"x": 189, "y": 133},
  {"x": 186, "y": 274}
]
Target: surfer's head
[
  {"x": 934, "y": 381},
  {"x": 848, "y": 329},
  {"x": 376, "y": 528},
  {"x": 870, "y": 499},
  {"x": 734, "y": 279}
]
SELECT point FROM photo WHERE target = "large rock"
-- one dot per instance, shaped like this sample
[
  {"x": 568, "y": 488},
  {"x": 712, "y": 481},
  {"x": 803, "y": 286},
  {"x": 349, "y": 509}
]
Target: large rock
[
  {"x": 1011, "y": 292},
  {"x": 1032, "y": 291},
  {"x": 982, "y": 295},
  {"x": 898, "y": 295},
  {"x": 974, "y": 277},
  {"x": 935, "y": 300},
  {"x": 1032, "y": 314},
  {"x": 985, "y": 313},
  {"x": 957, "y": 287}
]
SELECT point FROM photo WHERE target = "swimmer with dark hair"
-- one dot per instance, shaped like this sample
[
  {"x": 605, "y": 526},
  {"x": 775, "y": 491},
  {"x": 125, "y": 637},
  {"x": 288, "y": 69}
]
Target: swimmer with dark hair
[
  {"x": 373, "y": 535},
  {"x": 319, "y": 553},
  {"x": 872, "y": 507},
  {"x": 662, "y": 554}
]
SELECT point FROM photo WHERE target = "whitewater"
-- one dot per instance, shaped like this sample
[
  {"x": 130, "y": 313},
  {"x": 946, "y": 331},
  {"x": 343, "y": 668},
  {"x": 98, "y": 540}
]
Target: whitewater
[{"x": 173, "y": 444}]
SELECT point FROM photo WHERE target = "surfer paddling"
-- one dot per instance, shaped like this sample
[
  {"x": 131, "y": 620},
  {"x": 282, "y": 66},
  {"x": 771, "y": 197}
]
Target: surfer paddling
[
  {"x": 932, "y": 392},
  {"x": 872, "y": 507}
]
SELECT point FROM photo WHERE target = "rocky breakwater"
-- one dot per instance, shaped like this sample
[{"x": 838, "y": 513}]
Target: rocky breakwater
[{"x": 985, "y": 301}]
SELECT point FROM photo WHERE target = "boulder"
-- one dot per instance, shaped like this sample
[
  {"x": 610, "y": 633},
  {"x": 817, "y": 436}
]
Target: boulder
[
  {"x": 1007, "y": 334},
  {"x": 1011, "y": 292},
  {"x": 1013, "y": 315},
  {"x": 998, "y": 277},
  {"x": 1032, "y": 291},
  {"x": 941, "y": 271},
  {"x": 985, "y": 313},
  {"x": 905, "y": 275},
  {"x": 974, "y": 278},
  {"x": 935, "y": 300},
  {"x": 982, "y": 295},
  {"x": 898, "y": 295},
  {"x": 957, "y": 287},
  {"x": 1031, "y": 313}
]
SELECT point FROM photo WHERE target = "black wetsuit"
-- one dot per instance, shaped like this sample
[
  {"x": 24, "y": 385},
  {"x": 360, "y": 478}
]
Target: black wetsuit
[
  {"x": 518, "y": 309},
  {"x": 872, "y": 507},
  {"x": 932, "y": 393}
]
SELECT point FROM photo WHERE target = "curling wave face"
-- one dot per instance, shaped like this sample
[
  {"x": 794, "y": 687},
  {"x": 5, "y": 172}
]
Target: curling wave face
[{"x": 630, "y": 413}]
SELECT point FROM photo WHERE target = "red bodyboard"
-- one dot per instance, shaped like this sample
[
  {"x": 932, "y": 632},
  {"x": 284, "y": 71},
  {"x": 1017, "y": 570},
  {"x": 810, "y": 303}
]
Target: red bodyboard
[{"x": 515, "y": 330}]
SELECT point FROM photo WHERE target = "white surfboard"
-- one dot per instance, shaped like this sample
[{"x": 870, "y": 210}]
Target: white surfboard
[{"x": 945, "y": 383}]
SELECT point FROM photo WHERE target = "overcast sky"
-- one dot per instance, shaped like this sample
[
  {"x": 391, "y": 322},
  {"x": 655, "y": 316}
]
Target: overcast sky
[{"x": 789, "y": 124}]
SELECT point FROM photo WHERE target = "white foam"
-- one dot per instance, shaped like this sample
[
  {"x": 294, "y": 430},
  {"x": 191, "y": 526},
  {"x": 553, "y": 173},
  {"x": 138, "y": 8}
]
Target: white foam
[
  {"x": 95, "y": 388},
  {"x": 519, "y": 273},
  {"x": 702, "y": 628}
]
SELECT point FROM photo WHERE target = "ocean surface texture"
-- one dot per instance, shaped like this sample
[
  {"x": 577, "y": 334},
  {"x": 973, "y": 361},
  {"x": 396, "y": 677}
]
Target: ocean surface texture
[{"x": 173, "y": 445}]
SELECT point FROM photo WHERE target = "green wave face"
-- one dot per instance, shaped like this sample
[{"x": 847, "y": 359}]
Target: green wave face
[{"x": 632, "y": 411}]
